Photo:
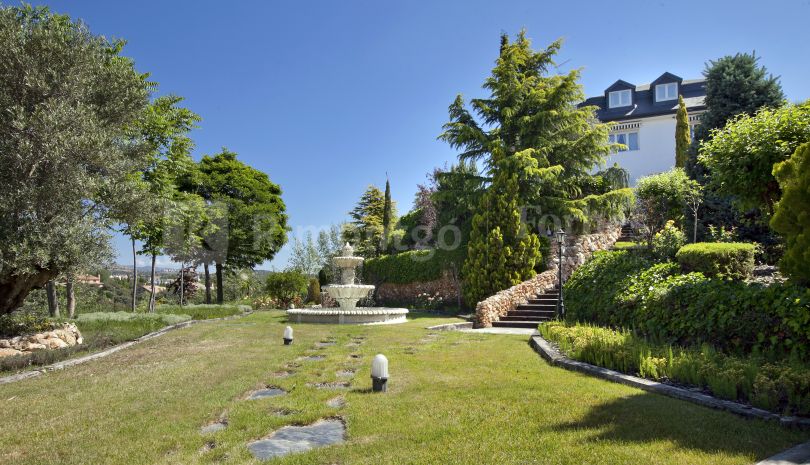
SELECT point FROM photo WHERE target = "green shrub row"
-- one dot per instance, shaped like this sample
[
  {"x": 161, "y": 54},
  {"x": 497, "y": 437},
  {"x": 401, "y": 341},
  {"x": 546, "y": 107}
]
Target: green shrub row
[
  {"x": 733, "y": 260},
  {"x": 623, "y": 290},
  {"x": 778, "y": 387},
  {"x": 412, "y": 266},
  {"x": 165, "y": 318},
  {"x": 21, "y": 323}
]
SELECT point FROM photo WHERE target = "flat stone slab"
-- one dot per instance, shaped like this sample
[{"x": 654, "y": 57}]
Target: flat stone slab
[
  {"x": 213, "y": 427},
  {"x": 337, "y": 402},
  {"x": 312, "y": 358},
  {"x": 324, "y": 344},
  {"x": 282, "y": 374},
  {"x": 268, "y": 392},
  {"x": 294, "y": 439},
  {"x": 345, "y": 373}
]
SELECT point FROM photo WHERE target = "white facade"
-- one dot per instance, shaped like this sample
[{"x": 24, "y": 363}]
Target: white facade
[{"x": 653, "y": 150}]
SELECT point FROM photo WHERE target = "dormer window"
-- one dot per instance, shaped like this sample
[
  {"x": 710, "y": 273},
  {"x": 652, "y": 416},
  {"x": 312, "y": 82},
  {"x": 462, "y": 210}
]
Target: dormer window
[
  {"x": 668, "y": 91},
  {"x": 620, "y": 98}
]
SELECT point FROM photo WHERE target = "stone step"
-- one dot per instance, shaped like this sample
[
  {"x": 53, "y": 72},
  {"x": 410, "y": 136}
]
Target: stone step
[
  {"x": 537, "y": 307},
  {"x": 533, "y": 313},
  {"x": 514, "y": 324},
  {"x": 542, "y": 300},
  {"x": 536, "y": 319}
]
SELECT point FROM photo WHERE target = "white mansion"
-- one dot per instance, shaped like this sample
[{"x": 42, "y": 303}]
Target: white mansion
[{"x": 644, "y": 120}]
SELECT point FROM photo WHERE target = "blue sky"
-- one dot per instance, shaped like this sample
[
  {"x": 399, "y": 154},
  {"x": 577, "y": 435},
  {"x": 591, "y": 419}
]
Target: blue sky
[{"x": 326, "y": 97}]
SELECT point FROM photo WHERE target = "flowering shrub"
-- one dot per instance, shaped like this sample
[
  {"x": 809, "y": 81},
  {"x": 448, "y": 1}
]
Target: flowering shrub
[
  {"x": 667, "y": 241},
  {"x": 265, "y": 302},
  {"x": 425, "y": 301}
]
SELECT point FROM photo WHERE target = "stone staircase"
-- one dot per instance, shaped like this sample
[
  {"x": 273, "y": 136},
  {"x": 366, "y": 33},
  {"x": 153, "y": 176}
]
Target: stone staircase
[
  {"x": 537, "y": 310},
  {"x": 628, "y": 234}
]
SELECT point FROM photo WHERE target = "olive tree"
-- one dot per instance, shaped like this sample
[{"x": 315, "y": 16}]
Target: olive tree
[{"x": 69, "y": 101}]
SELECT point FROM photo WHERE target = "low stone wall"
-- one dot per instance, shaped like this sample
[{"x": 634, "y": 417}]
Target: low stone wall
[
  {"x": 401, "y": 294},
  {"x": 66, "y": 336},
  {"x": 577, "y": 250}
]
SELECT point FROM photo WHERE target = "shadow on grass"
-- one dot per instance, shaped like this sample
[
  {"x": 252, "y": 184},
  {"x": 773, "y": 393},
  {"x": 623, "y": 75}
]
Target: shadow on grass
[{"x": 650, "y": 417}]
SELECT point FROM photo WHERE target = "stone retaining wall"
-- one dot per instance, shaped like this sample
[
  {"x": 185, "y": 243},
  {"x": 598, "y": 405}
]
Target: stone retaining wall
[
  {"x": 66, "y": 336},
  {"x": 577, "y": 250}
]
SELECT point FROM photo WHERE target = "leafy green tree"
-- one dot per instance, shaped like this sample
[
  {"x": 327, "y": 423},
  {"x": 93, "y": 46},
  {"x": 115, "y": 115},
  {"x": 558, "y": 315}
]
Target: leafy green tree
[
  {"x": 792, "y": 216},
  {"x": 683, "y": 137},
  {"x": 305, "y": 256},
  {"x": 256, "y": 214},
  {"x": 741, "y": 155},
  {"x": 69, "y": 101},
  {"x": 501, "y": 252},
  {"x": 663, "y": 197}
]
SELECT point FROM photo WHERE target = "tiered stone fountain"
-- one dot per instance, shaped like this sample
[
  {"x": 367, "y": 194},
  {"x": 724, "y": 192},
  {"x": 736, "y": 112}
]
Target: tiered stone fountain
[{"x": 347, "y": 294}]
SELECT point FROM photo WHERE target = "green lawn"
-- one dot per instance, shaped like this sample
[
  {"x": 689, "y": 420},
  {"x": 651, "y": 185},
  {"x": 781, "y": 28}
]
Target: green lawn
[{"x": 456, "y": 398}]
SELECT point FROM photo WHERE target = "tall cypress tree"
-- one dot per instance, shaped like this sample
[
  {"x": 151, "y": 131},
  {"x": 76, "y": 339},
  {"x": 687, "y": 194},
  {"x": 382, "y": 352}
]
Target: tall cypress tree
[
  {"x": 501, "y": 252},
  {"x": 387, "y": 213},
  {"x": 682, "y": 134}
]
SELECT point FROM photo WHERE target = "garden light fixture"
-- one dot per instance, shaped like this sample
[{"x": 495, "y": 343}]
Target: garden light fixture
[
  {"x": 288, "y": 335},
  {"x": 379, "y": 373}
]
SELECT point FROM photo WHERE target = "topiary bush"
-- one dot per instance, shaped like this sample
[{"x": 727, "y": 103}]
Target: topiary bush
[
  {"x": 733, "y": 260},
  {"x": 792, "y": 215},
  {"x": 287, "y": 287}
]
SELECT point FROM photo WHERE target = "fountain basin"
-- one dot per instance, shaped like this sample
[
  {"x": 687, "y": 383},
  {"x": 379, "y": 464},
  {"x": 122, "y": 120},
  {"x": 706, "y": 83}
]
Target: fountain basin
[
  {"x": 348, "y": 295},
  {"x": 355, "y": 316}
]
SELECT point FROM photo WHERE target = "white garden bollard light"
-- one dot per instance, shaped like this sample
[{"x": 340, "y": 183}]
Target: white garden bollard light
[
  {"x": 288, "y": 335},
  {"x": 379, "y": 373}
]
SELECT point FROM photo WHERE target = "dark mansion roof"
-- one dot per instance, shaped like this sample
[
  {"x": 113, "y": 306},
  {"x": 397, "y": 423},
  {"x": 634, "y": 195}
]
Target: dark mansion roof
[{"x": 643, "y": 102}]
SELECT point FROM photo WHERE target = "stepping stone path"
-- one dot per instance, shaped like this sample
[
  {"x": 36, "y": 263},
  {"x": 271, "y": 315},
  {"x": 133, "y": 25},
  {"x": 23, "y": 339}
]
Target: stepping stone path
[
  {"x": 214, "y": 427},
  {"x": 355, "y": 356},
  {"x": 312, "y": 357},
  {"x": 332, "y": 385},
  {"x": 268, "y": 392},
  {"x": 282, "y": 374},
  {"x": 336, "y": 402},
  {"x": 324, "y": 344},
  {"x": 346, "y": 373},
  {"x": 291, "y": 439}
]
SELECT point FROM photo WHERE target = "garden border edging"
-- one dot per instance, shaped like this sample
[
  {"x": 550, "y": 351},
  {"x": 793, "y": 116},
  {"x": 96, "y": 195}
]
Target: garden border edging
[
  {"x": 78, "y": 361},
  {"x": 554, "y": 357}
]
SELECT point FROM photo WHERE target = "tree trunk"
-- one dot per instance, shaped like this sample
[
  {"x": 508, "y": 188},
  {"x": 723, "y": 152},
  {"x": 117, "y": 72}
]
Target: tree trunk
[
  {"x": 152, "y": 295},
  {"x": 207, "y": 283},
  {"x": 220, "y": 290},
  {"x": 53, "y": 299},
  {"x": 71, "y": 299},
  {"x": 182, "y": 282},
  {"x": 14, "y": 288},
  {"x": 134, "y": 277},
  {"x": 694, "y": 232}
]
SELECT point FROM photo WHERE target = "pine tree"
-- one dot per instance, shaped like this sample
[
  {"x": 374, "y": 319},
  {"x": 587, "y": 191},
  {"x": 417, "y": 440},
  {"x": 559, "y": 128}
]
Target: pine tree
[{"x": 682, "y": 134}]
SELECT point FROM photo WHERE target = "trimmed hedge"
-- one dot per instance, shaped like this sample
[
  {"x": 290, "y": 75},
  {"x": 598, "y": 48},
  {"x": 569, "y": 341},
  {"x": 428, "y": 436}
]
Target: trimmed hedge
[
  {"x": 778, "y": 387},
  {"x": 412, "y": 266},
  {"x": 618, "y": 290},
  {"x": 718, "y": 259}
]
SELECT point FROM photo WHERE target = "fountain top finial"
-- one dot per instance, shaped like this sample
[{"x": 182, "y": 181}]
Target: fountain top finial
[{"x": 347, "y": 251}]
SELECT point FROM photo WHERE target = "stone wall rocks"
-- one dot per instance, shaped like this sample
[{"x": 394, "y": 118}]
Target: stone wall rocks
[{"x": 65, "y": 336}]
